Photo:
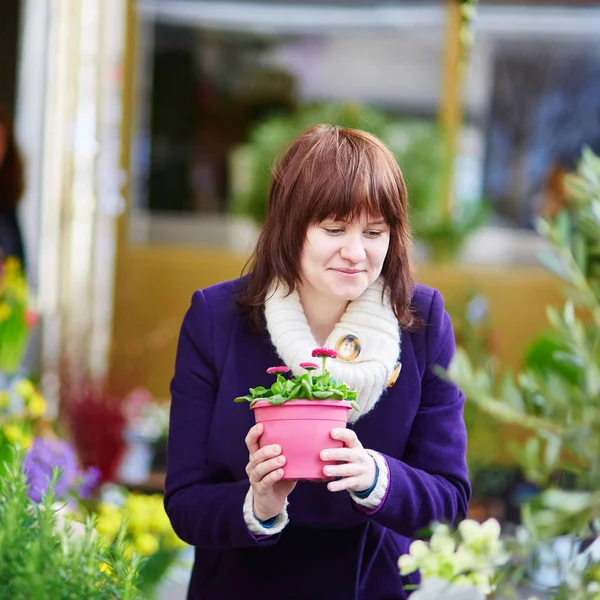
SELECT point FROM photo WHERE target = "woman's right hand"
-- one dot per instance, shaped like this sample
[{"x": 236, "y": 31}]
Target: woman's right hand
[{"x": 265, "y": 473}]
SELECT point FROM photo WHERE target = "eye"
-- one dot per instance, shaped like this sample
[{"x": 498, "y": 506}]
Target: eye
[
  {"x": 373, "y": 234},
  {"x": 333, "y": 231}
]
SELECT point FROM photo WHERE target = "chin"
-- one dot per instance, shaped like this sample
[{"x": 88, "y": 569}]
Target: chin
[{"x": 348, "y": 291}]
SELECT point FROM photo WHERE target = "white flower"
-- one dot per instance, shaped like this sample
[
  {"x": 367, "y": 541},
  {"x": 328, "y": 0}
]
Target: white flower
[
  {"x": 407, "y": 564},
  {"x": 418, "y": 549},
  {"x": 442, "y": 541},
  {"x": 469, "y": 530}
]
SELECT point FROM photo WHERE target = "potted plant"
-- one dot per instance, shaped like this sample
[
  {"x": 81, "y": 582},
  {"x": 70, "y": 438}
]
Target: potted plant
[
  {"x": 556, "y": 397},
  {"x": 44, "y": 554},
  {"x": 299, "y": 414}
]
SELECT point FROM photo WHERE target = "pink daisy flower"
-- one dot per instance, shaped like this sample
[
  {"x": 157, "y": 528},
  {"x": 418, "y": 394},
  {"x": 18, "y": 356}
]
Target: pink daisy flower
[
  {"x": 324, "y": 352},
  {"x": 272, "y": 370},
  {"x": 309, "y": 366}
]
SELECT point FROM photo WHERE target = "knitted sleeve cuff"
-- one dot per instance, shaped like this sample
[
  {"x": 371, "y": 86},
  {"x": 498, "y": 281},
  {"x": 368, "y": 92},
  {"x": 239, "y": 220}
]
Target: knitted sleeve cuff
[
  {"x": 374, "y": 499},
  {"x": 254, "y": 525}
]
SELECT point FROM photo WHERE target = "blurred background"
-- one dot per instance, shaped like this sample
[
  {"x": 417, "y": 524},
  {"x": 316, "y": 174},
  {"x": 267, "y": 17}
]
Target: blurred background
[{"x": 147, "y": 128}]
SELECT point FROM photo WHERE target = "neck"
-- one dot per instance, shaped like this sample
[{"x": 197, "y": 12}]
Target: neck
[{"x": 322, "y": 313}]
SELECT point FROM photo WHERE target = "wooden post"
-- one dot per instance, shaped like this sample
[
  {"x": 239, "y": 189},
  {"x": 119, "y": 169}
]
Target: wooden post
[{"x": 450, "y": 109}]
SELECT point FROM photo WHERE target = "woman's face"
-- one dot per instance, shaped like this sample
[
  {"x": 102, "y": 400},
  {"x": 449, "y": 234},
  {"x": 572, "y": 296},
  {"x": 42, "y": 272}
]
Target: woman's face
[{"x": 341, "y": 259}]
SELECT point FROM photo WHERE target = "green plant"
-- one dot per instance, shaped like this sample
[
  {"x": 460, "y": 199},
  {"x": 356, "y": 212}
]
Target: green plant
[
  {"x": 44, "y": 556},
  {"x": 307, "y": 386},
  {"x": 15, "y": 318},
  {"x": 471, "y": 556},
  {"x": 148, "y": 532},
  {"x": 418, "y": 146},
  {"x": 557, "y": 395}
]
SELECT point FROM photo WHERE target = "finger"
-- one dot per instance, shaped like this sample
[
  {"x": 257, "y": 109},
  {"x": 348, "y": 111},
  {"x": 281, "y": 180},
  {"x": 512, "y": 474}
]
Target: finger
[
  {"x": 264, "y": 468},
  {"x": 252, "y": 438},
  {"x": 347, "y": 483},
  {"x": 263, "y": 454},
  {"x": 347, "y": 436},
  {"x": 344, "y": 470},
  {"x": 343, "y": 454},
  {"x": 268, "y": 481}
]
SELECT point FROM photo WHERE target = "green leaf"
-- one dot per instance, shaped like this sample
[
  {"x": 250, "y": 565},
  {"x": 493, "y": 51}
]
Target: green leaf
[
  {"x": 277, "y": 399},
  {"x": 307, "y": 389},
  {"x": 258, "y": 391},
  {"x": 323, "y": 395},
  {"x": 554, "y": 264},
  {"x": 242, "y": 399},
  {"x": 355, "y": 406},
  {"x": 295, "y": 392},
  {"x": 570, "y": 359},
  {"x": 563, "y": 227},
  {"x": 580, "y": 252},
  {"x": 338, "y": 394}
]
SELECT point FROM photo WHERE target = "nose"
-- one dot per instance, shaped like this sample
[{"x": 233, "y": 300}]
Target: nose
[{"x": 353, "y": 248}]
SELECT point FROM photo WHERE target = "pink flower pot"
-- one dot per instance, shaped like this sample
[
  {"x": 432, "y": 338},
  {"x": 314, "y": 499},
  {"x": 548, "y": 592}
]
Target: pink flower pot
[{"x": 303, "y": 429}]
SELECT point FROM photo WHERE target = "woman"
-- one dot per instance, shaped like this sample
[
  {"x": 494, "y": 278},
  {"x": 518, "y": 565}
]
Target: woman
[
  {"x": 11, "y": 188},
  {"x": 332, "y": 261}
]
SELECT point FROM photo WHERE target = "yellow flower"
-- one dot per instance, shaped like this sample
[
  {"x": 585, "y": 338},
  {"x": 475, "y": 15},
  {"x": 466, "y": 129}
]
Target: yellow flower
[
  {"x": 36, "y": 406},
  {"x": 13, "y": 433},
  {"x": 25, "y": 388},
  {"x": 109, "y": 520},
  {"x": 159, "y": 521},
  {"x": 106, "y": 568},
  {"x": 4, "y": 399},
  {"x": 147, "y": 544},
  {"x": 5, "y": 311}
]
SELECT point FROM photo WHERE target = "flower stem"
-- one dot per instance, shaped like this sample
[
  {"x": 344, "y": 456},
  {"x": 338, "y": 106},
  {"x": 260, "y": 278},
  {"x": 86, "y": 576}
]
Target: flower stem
[{"x": 323, "y": 359}]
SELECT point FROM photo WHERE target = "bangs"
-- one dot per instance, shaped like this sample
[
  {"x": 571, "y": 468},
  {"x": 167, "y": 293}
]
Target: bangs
[{"x": 344, "y": 178}]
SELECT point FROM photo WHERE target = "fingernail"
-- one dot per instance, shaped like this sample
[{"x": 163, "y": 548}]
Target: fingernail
[
  {"x": 276, "y": 449},
  {"x": 324, "y": 455},
  {"x": 335, "y": 432}
]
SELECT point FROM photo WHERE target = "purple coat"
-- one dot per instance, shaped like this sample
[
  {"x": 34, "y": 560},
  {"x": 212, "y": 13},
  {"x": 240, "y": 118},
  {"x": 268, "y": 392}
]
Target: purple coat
[{"x": 331, "y": 549}]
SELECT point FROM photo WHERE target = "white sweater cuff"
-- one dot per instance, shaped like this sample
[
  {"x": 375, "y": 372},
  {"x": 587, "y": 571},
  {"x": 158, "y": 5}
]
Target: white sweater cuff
[
  {"x": 374, "y": 499},
  {"x": 254, "y": 524}
]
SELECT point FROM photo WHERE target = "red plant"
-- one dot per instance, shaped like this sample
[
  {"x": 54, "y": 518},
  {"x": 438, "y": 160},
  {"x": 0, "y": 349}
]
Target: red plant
[{"x": 96, "y": 423}]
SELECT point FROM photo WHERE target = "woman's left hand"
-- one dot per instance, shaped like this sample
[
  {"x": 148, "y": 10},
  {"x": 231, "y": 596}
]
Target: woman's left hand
[{"x": 356, "y": 469}]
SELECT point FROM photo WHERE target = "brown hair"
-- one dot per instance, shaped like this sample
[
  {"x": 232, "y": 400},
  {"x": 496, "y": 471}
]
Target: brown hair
[
  {"x": 11, "y": 168},
  {"x": 338, "y": 173}
]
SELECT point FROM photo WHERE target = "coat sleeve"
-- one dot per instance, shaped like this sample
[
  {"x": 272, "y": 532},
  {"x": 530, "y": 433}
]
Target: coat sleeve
[
  {"x": 203, "y": 513},
  {"x": 430, "y": 482}
]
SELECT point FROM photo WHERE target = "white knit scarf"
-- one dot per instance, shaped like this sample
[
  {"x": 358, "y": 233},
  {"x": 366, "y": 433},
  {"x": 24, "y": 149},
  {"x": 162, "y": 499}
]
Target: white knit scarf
[{"x": 368, "y": 320}]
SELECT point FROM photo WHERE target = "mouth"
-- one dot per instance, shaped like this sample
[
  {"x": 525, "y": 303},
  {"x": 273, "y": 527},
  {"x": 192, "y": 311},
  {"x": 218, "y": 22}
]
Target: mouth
[{"x": 348, "y": 272}]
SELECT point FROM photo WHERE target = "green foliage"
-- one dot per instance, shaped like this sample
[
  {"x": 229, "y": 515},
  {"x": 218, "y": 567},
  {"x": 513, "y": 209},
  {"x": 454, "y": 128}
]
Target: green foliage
[
  {"x": 305, "y": 387},
  {"x": 42, "y": 555},
  {"x": 557, "y": 395},
  {"x": 417, "y": 145}
]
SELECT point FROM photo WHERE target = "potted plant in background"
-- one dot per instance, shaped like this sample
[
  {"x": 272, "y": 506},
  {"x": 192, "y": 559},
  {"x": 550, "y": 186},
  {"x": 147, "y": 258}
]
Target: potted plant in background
[
  {"x": 556, "y": 398},
  {"x": 418, "y": 145},
  {"x": 43, "y": 555},
  {"x": 299, "y": 414}
]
